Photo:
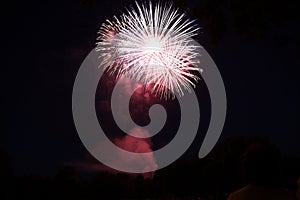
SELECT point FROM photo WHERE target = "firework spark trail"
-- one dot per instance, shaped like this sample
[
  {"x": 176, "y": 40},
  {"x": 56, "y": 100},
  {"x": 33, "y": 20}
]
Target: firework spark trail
[{"x": 151, "y": 44}]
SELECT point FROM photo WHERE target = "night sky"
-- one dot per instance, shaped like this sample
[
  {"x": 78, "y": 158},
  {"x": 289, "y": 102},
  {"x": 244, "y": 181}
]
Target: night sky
[{"x": 255, "y": 45}]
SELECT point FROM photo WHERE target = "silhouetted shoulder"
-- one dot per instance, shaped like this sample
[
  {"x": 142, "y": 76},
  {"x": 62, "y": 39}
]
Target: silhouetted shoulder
[{"x": 260, "y": 193}]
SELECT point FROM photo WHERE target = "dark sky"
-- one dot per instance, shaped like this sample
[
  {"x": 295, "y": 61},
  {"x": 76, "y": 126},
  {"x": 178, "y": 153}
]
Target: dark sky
[{"x": 255, "y": 45}]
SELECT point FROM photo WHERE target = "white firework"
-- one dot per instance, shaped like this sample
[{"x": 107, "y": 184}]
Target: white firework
[{"x": 153, "y": 45}]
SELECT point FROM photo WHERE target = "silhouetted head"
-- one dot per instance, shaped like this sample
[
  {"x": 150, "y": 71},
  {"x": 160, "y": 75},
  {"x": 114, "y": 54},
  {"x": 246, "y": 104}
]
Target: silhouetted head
[
  {"x": 260, "y": 164},
  {"x": 298, "y": 189}
]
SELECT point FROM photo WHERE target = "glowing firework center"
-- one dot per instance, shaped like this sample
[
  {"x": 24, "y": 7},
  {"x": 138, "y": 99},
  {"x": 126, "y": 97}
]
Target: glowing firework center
[{"x": 153, "y": 45}]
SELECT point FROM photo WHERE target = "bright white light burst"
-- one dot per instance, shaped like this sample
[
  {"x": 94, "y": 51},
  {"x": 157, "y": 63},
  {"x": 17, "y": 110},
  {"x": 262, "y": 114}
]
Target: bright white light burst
[{"x": 153, "y": 45}]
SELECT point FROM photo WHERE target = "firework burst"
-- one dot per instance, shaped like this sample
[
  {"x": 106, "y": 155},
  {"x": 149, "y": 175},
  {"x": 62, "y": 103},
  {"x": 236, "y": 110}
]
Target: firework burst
[{"x": 153, "y": 45}]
